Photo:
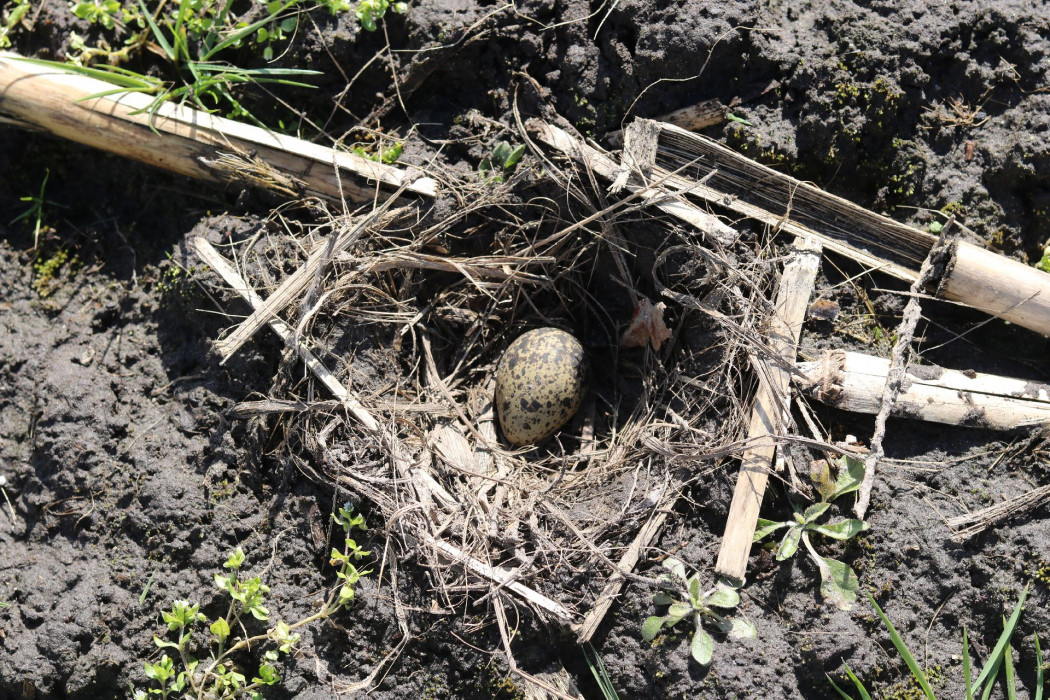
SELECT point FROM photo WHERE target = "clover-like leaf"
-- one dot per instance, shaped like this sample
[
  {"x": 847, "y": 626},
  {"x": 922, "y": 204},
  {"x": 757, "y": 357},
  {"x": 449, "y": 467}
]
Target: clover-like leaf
[
  {"x": 702, "y": 646},
  {"x": 789, "y": 544},
  {"x": 841, "y": 530}
]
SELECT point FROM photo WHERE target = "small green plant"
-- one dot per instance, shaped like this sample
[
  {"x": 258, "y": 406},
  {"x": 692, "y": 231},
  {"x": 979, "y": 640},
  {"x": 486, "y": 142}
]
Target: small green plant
[
  {"x": 11, "y": 18},
  {"x": 386, "y": 155},
  {"x": 1044, "y": 262},
  {"x": 598, "y": 670},
  {"x": 217, "y": 675},
  {"x": 839, "y": 584},
  {"x": 1001, "y": 657},
  {"x": 686, "y": 598},
  {"x": 370, "y": 11},
  {"x": 35, "y": 211},
  {"x": 501, "y": 163},
  {"x": 104, "y": 12},
  {"x": 193, "y": 38},
  {"x": 46, "y": 271}
]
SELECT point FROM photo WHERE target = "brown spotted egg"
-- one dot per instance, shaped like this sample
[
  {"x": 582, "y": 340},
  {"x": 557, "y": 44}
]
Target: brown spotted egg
[{"x": 539, "y": 384}]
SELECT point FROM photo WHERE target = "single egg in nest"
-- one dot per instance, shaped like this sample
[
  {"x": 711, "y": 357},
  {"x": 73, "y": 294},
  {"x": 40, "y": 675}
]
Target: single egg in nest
[{"x": 540, "y": 384}]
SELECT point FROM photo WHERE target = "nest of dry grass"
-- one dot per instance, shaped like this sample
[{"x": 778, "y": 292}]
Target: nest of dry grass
[{"x": 411, "y": 311}]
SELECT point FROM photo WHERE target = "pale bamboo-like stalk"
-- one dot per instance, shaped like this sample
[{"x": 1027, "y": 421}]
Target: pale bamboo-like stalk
[
  {"x": 854, "y": 381},
  {"x": 188, "y": 141}
]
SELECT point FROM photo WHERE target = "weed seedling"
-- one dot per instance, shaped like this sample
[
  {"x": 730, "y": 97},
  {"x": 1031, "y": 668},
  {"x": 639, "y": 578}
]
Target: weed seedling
[
  {"x": 11, "y": 18},
  {"x": 686, "y": 598},
  {"x": 1001, "y": 657},
  {"x": 839, "y": 584},
  {"x": 370, "y": 11},
  {"x": 1044, "y": 262},
  {"x": 501, "y": 163},
  {"x": 35, "y": 211},
  {"x": 216, "y": 675}
]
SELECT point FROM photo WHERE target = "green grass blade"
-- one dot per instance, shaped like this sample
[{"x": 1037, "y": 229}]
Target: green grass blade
[
  {"x": 245, "y": 32},
  {"x": 967, "y": 678},
  {"x": 111, "y": 74},
  {"x": 1008, "y": 671},
  {"x": 158, "y": 35},
  {"x": 1038, "y": 671},
  {"x": 905, "y": 653},
  {"x": 994, "y": 666},
  {"x": 856, "y": 682},
  {"x": 1004, "y": 640},
  {"x": 842, "y": 693},
  {"x": 601, "y": 675}
]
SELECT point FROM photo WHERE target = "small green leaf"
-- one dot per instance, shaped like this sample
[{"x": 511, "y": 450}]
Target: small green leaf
[
  {"x": 851, "y": 476},
  {"x": 839, "y": 585},
  {"x": 723, "y": 597},
  {"x": 675, "y": 566},
  {"x": 841, "y": 530},
  {"x": 652, "y": 626},
  {"x": 702, "y": 646},
  {"x": 235, "y": 559},
  {"x": 742, "y": 629},
  {"x": 789, "y": 544},
  {"x": 662, "y": 598},
  {"x": 694, "y": 590},
  {"x": 678, "y": 611},
  {"x": 815, "y": 511},
  {"x": 739, "y": 120},
  {"x": 514, "y": 157},
  {"x": 221, "y": 629},
  {"x": 766, "y": 528}
]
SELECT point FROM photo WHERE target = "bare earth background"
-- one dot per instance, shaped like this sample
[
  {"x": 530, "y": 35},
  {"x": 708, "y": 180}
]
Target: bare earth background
[{"x": 120, "y": 464}]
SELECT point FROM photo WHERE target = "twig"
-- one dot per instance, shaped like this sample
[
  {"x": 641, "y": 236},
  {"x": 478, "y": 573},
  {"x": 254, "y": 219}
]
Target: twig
[{"x": 899, "y": 364}]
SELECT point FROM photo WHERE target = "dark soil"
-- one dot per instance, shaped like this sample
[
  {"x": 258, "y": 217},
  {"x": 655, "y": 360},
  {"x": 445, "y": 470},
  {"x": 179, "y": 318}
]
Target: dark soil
[{"x": 129, "y": 484}]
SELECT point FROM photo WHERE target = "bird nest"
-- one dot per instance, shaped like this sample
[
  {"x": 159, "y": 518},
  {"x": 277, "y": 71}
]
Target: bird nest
[{"x": 405, "y": 311}]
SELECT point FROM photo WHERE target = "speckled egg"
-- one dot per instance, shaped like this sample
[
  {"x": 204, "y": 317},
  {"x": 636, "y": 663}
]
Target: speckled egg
[{"x": 539, "y": 384}]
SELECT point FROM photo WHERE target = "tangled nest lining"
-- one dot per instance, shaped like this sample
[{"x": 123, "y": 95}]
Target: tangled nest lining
[{"x": 410, "y": 309}]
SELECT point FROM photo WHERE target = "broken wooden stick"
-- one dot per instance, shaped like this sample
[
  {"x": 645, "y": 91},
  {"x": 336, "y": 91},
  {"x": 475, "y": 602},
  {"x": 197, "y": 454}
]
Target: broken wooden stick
[
  {"x": 973, "y": 276},
  {"x": 854, "y": 381},
  {"x": 664, "y": 199},
  {"x": 188, "y": 141},
  {"x": 966, "y": 526},
  {"x": 770, "y": 416},
  {"x": 691, "y": 118}
]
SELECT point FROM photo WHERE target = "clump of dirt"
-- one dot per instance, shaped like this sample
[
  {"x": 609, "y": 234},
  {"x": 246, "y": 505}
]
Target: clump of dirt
[{"x": 128, "y": 475}]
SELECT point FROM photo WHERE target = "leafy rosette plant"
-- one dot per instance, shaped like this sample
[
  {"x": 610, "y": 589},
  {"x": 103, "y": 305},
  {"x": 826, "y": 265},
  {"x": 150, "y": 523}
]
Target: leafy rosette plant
[
  {"x": 839, "y": 583},
  {"x": 686, "y": 598}
]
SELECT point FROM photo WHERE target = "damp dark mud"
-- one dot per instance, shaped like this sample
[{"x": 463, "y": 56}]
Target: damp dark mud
[{"x": 126, "y": 481}]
